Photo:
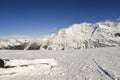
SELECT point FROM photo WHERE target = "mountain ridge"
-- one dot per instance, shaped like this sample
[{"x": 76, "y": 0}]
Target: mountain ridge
[{"x": 77, "y": 36}]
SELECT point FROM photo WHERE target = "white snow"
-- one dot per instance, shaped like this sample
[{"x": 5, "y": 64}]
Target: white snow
[
  {"x": 83, "y": 64},
  {"x": 26, "y": 67},
  {"x": 77, "y": 36},
  {"x": 30, "y": 62},
  {"x": 31, "y": 59},
  {"x": 9, "y": 42}
]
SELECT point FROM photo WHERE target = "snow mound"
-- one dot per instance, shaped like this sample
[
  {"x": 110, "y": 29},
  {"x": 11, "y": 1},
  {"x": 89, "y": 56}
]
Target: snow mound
[
  {"x": 30, "y": 62},
  {"x": 25, "y": 67},
  {"x": 77, "y": 36}
]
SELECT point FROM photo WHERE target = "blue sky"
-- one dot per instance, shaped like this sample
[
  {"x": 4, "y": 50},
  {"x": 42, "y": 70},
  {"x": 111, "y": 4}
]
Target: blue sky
[{"x": 39, "y": 17}]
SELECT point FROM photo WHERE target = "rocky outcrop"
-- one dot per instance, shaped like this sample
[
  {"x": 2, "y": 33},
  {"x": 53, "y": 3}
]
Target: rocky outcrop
[{"x": 2, "y": 64}]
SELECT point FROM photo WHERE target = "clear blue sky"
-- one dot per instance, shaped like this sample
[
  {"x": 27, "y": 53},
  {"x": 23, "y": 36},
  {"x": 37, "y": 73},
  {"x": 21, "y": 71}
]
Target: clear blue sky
[{"x": 39, "y": 17}]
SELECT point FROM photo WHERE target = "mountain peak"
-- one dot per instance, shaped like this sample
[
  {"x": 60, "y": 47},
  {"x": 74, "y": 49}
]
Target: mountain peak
[{"x": 76, "y": 36}]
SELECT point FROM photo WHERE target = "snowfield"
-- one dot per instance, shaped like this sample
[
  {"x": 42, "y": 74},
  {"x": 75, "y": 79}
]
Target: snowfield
[
  {"x": 77, "y": 36},
  {"x": 83, "y": 64}
]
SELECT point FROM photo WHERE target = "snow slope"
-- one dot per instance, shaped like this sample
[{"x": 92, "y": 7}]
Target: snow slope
[
  {"x": 84, "y": 35},
  {"x": 84, "y": 64},
  {"x": 14, "y": 42},
  {"x": 77, "y": 36}
]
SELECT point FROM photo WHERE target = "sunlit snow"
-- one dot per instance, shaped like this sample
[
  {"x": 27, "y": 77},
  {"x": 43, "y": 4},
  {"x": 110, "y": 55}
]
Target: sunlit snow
[{"x": 77, "y": 36}]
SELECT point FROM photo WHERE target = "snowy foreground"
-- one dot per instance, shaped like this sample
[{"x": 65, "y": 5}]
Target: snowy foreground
[{"x": 84, "y": 64}]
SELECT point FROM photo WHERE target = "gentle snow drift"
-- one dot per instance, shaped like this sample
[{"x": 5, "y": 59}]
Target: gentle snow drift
[{"x": 84, "y": 64}]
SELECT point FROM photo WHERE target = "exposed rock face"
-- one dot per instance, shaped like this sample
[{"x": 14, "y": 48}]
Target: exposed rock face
[
  {"x": 1, "y": 63},
  {"x": 77, "y": 36},
  {"x": 117, "y": 34},
  {"x": 34, "y": 46}
]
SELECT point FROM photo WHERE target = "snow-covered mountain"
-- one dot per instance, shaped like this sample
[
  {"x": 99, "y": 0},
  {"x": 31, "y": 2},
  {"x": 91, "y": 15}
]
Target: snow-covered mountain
[
  {"x": 14, "y": 42},
  {"x": 77, "y": 36}
]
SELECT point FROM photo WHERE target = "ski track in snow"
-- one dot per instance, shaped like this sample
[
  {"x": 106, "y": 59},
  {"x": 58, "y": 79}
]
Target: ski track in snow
[
  {"x": 84, "y": 64},
  {"x": 101, "y": 68}
]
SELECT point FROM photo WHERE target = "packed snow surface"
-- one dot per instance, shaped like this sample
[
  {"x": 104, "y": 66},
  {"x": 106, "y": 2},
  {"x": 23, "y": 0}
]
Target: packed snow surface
[
  {"x": 77, "y": 36},
  {"x": 83, "y": 64}
]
